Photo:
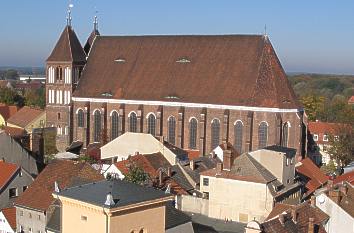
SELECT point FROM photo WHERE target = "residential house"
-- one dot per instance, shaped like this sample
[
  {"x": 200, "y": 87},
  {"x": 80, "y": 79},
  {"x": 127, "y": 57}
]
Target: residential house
[
  {"x": 32, "y": 207},
  {"x": 311, "y": 176},
  {"x": 13, "y": 152},
  {"x": 346, "y": 177},
  {"x": 351, "y": 100},
  {"x": 6, "y": 111},
  {"x": 14, "y": 180},
  {"x": 337, "y": 201},
  {"x": 319, "y": 135},
  {"x": 8, "y": 220},
  {"x": 115, "y": 206},
  {"x": 302, "y": 218},
  {"x": 241, "y": 188},
  {"x": 28, "y": 118}
]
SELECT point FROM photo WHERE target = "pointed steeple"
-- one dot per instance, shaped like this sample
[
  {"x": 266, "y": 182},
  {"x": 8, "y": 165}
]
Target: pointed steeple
[
  {"x": 68, "y": 48},
  {"x": 92, "y": 36}
]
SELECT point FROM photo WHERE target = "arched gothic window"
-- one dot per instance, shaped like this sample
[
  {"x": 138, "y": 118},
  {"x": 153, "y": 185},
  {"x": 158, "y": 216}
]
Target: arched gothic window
[
  {"x": 193, "y": 125},
  {"x": 285, "y": 136},
  {"x": 114, "y": 125},
  {"x": 151, "y": 124},
  {"x": 238, "y": 136},
  {"x": 97, "y": 126},
  {"x": 80, "y": 118},
  {"x": 172, "y": 130},
  {"x": 215, "y": 133},
  {"x": 262, "y": 135},
  {"x": 132, "y": 122}
]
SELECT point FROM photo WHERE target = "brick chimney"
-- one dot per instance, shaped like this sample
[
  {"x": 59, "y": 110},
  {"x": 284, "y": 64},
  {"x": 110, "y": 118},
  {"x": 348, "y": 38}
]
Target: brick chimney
[
  {"x": 282, "y": 219},
  {"x": 160, "y": 177},
  {"x": 294, "y": 215},
  {"x": 219, "y": 168},
  {"x": 334, "y": 195},
  {"x": 169, "y": 171},
  {"x": 311, "y": 225},
  {"x": 343, "y": 189},
  {"x": 227, "y": 160},
  {"x": 313, "y": 201},
  {"x": 192, "y": 164}
]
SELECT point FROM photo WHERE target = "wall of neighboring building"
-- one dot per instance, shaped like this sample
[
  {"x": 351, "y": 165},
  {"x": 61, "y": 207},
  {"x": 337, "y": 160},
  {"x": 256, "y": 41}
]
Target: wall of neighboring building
[
  {"x": 12, "y": 152},
  {"x": 39, "y": 122},
  {"x": 4, "y": 224},
  {"x": 237, "y": 200},
  {"x": 2, "y": 120},
  {"x": 29, "y": 219},
  {"x": 20, "y": 181},
  {"x": 185, "y": 228},
  {"x": 193, "y": 204},
  {"x": 204, "y": 117},
  {"x": 339, "y": 220}
]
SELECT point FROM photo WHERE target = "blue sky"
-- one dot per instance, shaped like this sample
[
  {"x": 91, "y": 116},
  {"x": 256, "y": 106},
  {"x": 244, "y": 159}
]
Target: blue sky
[{"x": 309, "y": 36}]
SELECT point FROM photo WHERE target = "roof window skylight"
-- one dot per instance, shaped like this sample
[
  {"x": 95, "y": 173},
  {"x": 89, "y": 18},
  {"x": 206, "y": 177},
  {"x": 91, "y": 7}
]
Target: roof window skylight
[
  {"x": 183, "y": 60},
  {"x": 120, "y": 60}
]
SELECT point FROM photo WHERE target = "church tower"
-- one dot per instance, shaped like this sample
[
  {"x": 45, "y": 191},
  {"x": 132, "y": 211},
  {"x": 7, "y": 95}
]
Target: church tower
[{"x": 63, "y": 70}]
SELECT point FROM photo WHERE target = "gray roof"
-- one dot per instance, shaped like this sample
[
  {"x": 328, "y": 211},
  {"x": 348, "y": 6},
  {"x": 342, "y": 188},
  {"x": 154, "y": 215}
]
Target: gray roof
[
  {"x": 290, "y": 152},
  {"x": 123, "y": 192},
  {"x": 175, "y": 217},
  {"x": 200, "y": 164},
  {"x": 54, "y": 221}
]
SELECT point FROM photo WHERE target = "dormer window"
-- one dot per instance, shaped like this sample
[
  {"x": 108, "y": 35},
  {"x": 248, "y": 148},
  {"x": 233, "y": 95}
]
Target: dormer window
[
  {"x": 183, "y": 60},
  {"x": 120, "y": 60},
  {"x": 315, "y": 137},
  {"x": 325, "y": 137}
]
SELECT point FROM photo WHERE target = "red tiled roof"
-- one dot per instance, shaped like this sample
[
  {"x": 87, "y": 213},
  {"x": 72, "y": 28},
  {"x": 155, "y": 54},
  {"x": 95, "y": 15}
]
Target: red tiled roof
[
  {"x": 25, "y": 116},
  {"x": 39, "y": 193},
  {"x": 10, "y": 215},
  {"x": 188, "y": 67},
  {"x": 7, "y": 170},
  {"x": 6, "y": 111},
  {"x": 14, "y": 132},
  {"x": 323, "y": 128},
  {"x": 347, "y": 177},
  {"x": 351, "y": 100},
  {"x": 316, "y": 177},
  {"x": 193, "y": 154},
  {"x": 139, "y": 161}
]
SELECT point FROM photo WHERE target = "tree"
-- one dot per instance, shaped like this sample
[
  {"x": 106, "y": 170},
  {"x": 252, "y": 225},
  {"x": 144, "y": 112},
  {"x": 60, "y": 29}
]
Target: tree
[
  {"x": 11, "y": 74},
  {"x": 50, "y": 147},
  {"x": 313, "y": 105},
  {"x": 136, "y": 175},
  {"x": 7, "y": 96},
  {"x": 35, "y": 98}
]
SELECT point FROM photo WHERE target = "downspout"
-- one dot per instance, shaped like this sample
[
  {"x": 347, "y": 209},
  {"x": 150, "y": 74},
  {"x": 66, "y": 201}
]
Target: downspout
[{"x": 104, "y": 212}]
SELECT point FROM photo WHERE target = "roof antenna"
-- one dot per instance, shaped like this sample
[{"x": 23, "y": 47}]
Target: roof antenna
[
  {"x": 95, "y": 22},
  {"x": 68, "y": 17},
  {"x": 265, "y": 30}
]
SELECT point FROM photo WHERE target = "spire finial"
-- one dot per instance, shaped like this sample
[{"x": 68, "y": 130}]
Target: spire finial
[
  {"x": 265, "y": 29},
  {"x": 68, "y": 17},
  {"x": 95, "y": 22}
]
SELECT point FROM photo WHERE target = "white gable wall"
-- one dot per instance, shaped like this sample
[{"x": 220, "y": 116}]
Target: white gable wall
[{"x": 4, "y": 224}]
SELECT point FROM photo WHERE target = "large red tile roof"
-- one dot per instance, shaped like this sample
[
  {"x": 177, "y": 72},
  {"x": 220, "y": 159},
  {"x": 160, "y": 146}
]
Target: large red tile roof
[
  {"x": 347, "y": 177},
  {"x": 6, "y": 111},
  {"x": 39, "y": 194},
  {"x": 139, "y": 161},
  {"x": 190, "y": 69},
  {"x": 25, "y": 116},
  {"x": 316, "y": 177},
  {"x": 14, "y": 132},
  {"x": 10, "y": 215},
  {"x": 7, "y": 170}
]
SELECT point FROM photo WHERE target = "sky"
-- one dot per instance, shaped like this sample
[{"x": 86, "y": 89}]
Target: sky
[{"x": 314, "y": 36}]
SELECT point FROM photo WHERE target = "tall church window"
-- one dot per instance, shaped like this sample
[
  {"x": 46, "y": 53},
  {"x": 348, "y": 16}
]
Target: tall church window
[
  {"x": 133, "y": 122},
  {"x": 97, "y": 126},
  {"x": 172, "y": 130},
  {"x": 80, "y": 118},
  {"x": 215, "y": 133},
  {"x": 193, "y": 124},
  {"x": 151, "y": 124},
  {"x": 285, "y": 135},
  {"x": 59, "y": 73},
  {"x": 238, "y": 136},
  {"x": 114, "y": 125},
  {"x": 262, "y": 135}
]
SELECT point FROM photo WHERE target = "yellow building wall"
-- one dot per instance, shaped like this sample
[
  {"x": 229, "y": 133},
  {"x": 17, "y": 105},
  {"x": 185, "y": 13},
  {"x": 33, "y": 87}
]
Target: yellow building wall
[
  {"x": 2, "y": 120},
  {"x": 36, "y": 123}
]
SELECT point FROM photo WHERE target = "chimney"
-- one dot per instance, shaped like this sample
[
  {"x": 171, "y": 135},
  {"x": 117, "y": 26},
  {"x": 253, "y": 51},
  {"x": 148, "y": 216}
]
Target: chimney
[
  {"x": 343, "y": 189},
  {"x": 227, "y": 160},
  {"x": 282, "y": 219},
  {"x": 109, "y": 199},
  {"x": 169, "y": 171},
  {"x": 192, "y": 164},
  {"x": 136, "y": 153},
  {"x": 330, "y": 184},
  {"x": 212, "y": 155},
  {"x": 162, "y": 139},
  {"x": 218, "y": 168},
  {"x": 160, "y": 177},
  {"x": 334, "y": 195},
  {"x": 311, "y": 225},
  {"x": 294, "y": 215},
  {"x": 56, "y": 187},
  {"x": 313, "y": 201}
]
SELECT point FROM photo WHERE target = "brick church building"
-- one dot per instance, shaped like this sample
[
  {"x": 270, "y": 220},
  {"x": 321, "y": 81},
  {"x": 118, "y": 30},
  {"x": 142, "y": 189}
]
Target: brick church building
[{"x": 196, "y": 91}]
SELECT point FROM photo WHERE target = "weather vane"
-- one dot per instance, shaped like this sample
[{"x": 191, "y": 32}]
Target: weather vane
[
  {"x": 68, "y": 17},
  {"x": 95, "y": 22}
]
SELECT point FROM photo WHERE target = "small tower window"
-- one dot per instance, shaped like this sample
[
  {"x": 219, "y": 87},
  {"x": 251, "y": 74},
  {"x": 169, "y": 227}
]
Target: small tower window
[{"x": 59, "y": 116}]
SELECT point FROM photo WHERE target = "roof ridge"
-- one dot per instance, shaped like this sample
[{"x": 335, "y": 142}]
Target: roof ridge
[
  {"x": 255, "y": 163},
  {"x": 71, "y": 52}
]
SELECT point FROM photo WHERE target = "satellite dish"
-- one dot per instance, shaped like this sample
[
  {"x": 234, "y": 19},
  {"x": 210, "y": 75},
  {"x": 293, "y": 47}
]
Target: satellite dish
[{"x": 321, "y": 199}]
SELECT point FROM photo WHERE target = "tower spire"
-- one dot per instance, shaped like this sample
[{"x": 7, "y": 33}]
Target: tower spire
[
  {"x": 68, "y": 17},
  {"x": 95, "y": 22}
]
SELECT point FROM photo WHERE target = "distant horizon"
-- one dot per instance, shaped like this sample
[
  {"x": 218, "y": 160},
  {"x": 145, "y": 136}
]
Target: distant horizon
[{"x": 313, "y": 37}]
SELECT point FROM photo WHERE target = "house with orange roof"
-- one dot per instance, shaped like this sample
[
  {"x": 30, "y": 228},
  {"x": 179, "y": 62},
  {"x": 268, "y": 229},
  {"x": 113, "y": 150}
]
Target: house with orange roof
[
  {"x": 6, "y": 111},
  {"x": 28, "y": 118},
  {"x": 346, "y": 177},
  {"x": 351, "y": 100},
  {"x": 8, "y": 220},
  {"x": 33, "y": 207},
  {"x": 311, "y": 176},
  {"x": 319, "y": 140},
  {"x": 14, "y": 180}
]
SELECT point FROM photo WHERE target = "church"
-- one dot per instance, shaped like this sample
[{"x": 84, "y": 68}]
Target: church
[{"x": 194, "y": 91}]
